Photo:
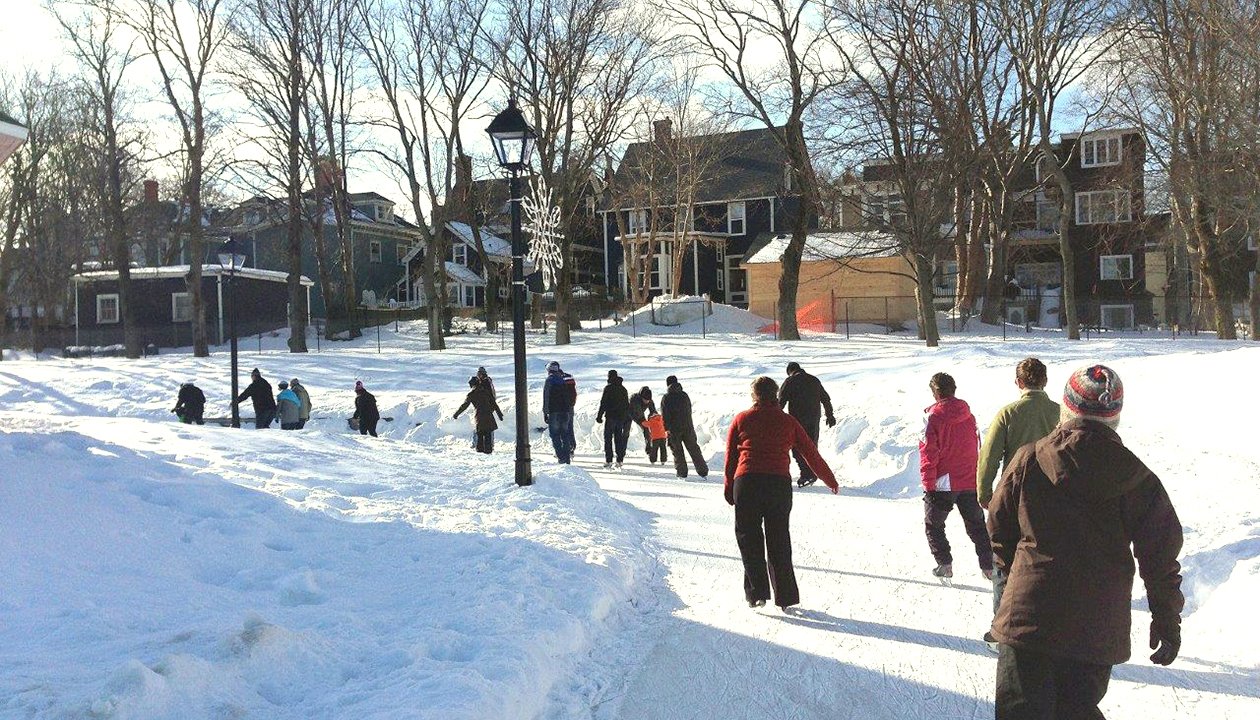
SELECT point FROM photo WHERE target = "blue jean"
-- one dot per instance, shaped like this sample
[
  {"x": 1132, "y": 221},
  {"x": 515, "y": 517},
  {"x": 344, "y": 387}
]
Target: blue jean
[{"x": 560, "y": 427}]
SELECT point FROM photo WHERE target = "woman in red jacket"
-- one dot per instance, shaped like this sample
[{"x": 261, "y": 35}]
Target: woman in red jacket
[{"x": 759, "y": 485}]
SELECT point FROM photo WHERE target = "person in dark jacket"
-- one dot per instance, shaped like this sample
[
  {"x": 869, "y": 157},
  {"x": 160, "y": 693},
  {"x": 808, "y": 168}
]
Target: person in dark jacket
[
  {"x": 642, "y": 408},
  {"x": 614, "y": 406},
  {"x": 676, "y": 411},
  {"x": 803, "y": 397},
  {"x": 365, "y": 410},
  {"x": 559, "y": 397},
  {"x": 485, "y": 407},
  {"x": 1069, "y": 516},
  {"x": 259, "y": 391},
  {"x": 947, "y": 464},
  {"x": 190, "y": 406},
  {"x": 758, "y": 482}
]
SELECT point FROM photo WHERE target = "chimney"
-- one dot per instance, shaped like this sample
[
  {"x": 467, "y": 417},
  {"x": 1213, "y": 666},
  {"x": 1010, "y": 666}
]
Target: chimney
[
  {"x": 151, "y": 192},
  {"x": 663, "y": 130}
]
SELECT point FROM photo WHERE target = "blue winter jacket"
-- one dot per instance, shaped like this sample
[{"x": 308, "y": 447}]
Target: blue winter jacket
[{"x": 289, "y": 406}]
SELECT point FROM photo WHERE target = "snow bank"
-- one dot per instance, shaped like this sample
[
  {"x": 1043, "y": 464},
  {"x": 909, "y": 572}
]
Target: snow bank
[{"x": 688, "y": 315}]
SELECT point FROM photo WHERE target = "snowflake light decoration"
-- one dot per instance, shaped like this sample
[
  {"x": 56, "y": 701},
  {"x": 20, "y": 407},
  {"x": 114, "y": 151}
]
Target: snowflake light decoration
[{"x": 542, "y": 222}]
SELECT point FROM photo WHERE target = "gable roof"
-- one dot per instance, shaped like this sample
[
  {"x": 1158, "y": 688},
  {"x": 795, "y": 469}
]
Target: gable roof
[{"x": 739, "y": 164}]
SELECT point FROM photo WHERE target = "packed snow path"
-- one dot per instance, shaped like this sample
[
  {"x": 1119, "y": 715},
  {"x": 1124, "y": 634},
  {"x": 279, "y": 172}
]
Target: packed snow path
[{"x": 875, "y": 636}]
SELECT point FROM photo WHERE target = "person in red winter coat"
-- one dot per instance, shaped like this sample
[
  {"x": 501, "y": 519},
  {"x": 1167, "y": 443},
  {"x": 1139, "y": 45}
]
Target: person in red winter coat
[
  {"x": 947, "y": 463},
  {"x": 759, "y": 485}
]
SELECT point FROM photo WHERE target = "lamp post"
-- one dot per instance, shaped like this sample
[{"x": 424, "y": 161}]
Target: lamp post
[
  {"x": 231, "y": 259},
  {"x": 513, "y": 140}
]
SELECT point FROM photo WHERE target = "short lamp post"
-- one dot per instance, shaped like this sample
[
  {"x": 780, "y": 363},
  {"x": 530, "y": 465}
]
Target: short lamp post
[
  {"x": 231, "y": 259},
  {"x": 513, "y": 140}
]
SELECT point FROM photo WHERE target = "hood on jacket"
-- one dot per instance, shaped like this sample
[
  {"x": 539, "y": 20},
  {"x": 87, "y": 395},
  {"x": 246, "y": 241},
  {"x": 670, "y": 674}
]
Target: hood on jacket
[
  {"x": 615, "y": 380},
  {"x": 1087, "y": 459},
  {"x": 675, "y": 387},
  {"x": 645, "y": 392},
  {"x": 951, "y": 410}
]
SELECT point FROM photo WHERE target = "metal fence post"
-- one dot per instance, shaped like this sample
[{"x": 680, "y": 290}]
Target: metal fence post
[
  {"x": 317, "y": 334},
  {"x": 1002, "y": 319},
  {"x": 846, "y": 319},
  {"x": 833, "y": 312},
  {"x": 887, "y": 319},
  {"x": 378, "y": 338},
  {"x": 633, "y": 333},
  {"x": 703, "y": 331}
]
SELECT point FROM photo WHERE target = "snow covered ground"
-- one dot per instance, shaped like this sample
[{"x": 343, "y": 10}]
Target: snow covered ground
[{"x": 155, "y": 570}]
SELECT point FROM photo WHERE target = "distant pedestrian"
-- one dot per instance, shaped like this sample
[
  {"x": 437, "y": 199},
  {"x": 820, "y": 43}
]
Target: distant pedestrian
[
  {"x": 803, "y": 397},
  {"x": 559, "y": 398},
  {"x": 485, "y": 407},
  {"x": 300, "y": 390},
  {"x": 190, "y": 406},
  {"x": 947, "y": 463},
  {"x": 642, "y": 409},
  {"x": 676, "y": 411},
  {"x": 259, "y": 391},
  {"x": 1024, "y": 421},
  {"x": 758, "y": 482},
  {"x": 614, "y": 406},
  {"x": 365, "y": 410},
  {"x": 1071, "y": 513},
  {"x": 288, "y": 407}
]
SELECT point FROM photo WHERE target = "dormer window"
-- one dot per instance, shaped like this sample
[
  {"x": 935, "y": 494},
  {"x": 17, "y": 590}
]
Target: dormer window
[
  {"x": 1100, "y": 151},
  {"x": 459, "y": 253},
  {"x": 736, "y": 213},
  {"x": 637, "y": 222}
]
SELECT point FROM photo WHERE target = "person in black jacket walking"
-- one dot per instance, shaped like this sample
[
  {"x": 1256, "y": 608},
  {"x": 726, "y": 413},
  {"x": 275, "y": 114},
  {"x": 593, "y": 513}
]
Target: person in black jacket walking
[
  {"x": 190, "y": 406},
  {"x": 801, "y": 395},
  {"x": 615, "y": 407},
  {"x": 259, "y": 391},
  {"x": 485, "y": 407},
  {"x": 676, "y": 411},
  {"x": 365, "y": 410},
  {"x": 641, "y": 408}
]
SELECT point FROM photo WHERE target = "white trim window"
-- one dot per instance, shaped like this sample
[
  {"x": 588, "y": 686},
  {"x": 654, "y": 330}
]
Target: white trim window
[
  {"x": 1047, "y": 215},
  {"x": 181, "y": 307},
  {"x": 1116, "y": 317},
  {"x": 459, "y": 254},
  {"x": 636, "y": 222},
  {"x": 400, "y": 250},
  {"x": 107, "y": 310},
  {"x": 1115, "y": 267},
  {"x": 1251, "y": 242},
  {"x": 1099, "y": 207},
  {"x": 736, "y": 218},
  {"x": 374, "y": 250},
  {"x": 1100, "y": 151},
  {"x": 720, "y": 256}
]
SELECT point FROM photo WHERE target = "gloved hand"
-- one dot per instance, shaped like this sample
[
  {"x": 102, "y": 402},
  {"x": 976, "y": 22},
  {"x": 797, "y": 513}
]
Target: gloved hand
[
  {"x": 1166, "y": 642},
  {"x": 500, "y": 415},
  {"x": 546, "y": 418},
  {"x": 728, "y": 492},
  {"x": 455, "y": 416},
  {"x": 599, "y": 418},
  {"x": 831, "y": 421}
]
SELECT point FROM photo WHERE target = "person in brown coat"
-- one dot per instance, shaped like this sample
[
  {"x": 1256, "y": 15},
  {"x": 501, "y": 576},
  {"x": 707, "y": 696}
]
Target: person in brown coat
[
  {"x": 485, "y": 407},
  {"x": 1066, "y": 521}
]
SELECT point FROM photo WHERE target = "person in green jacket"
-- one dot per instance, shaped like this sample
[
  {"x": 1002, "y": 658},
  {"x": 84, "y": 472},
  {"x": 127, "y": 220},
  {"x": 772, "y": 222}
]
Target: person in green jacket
[{"x": 1027, "y": 420}]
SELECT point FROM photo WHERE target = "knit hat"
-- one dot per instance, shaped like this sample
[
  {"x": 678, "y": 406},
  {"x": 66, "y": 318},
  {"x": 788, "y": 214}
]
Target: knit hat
[
  {"x": 671, "y": 380},
  {"x": 473, "y": 381},
  {"x": 793, "y": 367},
  {"x": 553, "y": 367},
  {"x": 611, "y": 374},
  {"x": 282, "y": 385},
  {"x": 358, "y": 385},
  {"x": 481, "y": 372},
  {"x": 1094, "y": 393},
  {"x": 294, "y": 381}
]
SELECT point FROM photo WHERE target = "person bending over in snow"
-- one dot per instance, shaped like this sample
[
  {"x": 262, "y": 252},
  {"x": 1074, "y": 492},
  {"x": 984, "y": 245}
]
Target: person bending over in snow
[
  {"x": 485, "y": 407},
  {"x": 559, "y": 397},
  {"x": 259, "y": 391},
  {"x": 676, "y": 411},
  {"x": 288, "y": 407},
  {"x": 365, "y": 410},
  {"x": 758, "y": 483},
  {"x": 803, "y": 397},
  {"x": 947, "y": 463},
  {"x": 1069, "y": 516},
  {"x": 615, "y": 406},
  {"x": 190, "y": 406},
  {"x": 642, "y": 410}
]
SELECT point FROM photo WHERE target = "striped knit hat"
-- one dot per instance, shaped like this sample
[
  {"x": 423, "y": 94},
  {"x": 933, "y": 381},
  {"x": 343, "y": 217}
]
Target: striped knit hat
[{"x": 1094, "y": 393}]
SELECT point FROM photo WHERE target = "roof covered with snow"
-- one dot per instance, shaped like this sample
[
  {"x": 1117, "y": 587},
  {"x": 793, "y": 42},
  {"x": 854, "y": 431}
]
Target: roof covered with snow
[
  {"x": 495, "y": 246},
  {"x": 462, "y": 274},
  {"x": 173, "y": 271},
  {"x": 828, "y": 246}
]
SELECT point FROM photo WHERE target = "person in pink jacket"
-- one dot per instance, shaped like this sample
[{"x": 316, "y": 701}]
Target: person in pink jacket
[{"x": 947, "y": 463}]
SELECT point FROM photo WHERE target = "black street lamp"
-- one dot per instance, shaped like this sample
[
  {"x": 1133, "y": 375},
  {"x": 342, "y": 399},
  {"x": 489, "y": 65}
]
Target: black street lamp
[
  {"x": 513, "y": 140},
  {"x": 231, "y": 259}
]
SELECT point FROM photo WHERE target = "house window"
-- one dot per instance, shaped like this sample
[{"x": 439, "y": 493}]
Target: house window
[
  {"x": 107, "y": 309},
  {"x": 637, "y": 222},
  {"x": 401, "y": 249},
  {"x": 886, "y": 210},
  {"x": 736, "y": 213},
  {"x": 1096, "y": 152},
  {"x": 374, "y": 250},
  {"x": 720, "y": 254},
  {"x": 181, "y": 307},
  {"x": 470, "y": 296},
  {"x": 1102, "y": 206},
  {"x": 1115, "y": 267},
  {"x": 1116, "y": 317},
  {"x": 1251, "y": 241},
  {"x": 1047, "y": 215},
  {"x": 459, "y": 253},
  {"x": 1044, "y": 168},
  {"x": 662, "y": 267},
  {"x": 590, "y": 205}
]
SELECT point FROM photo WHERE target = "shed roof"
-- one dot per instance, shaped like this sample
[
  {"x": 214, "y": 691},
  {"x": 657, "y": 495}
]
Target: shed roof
[{"x": 827, "y": 246}]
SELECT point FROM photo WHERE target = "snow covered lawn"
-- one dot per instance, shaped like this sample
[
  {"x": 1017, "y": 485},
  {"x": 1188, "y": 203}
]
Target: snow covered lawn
[{"x": 156, "y": 570}]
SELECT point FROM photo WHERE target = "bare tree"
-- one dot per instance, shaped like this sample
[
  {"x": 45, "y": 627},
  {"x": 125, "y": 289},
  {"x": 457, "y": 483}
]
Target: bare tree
[
  {"x": 775, "y": 65},
  {"x": 575, "y": 66}
]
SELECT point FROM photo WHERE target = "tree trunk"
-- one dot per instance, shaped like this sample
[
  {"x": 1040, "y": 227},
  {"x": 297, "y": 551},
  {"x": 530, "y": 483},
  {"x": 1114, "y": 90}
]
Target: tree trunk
[
  {"x": 962, "y": 231},
  {"x": 1213, "y": 275},
  {"x": 995, "y": 281},
  {"x": 196, "y": 250},
  {"x": 928, "y": 330},
  {"x": 563, "y": 292},
  {"x": 1067, "y": 304},
  {"x": 118, "y": 228},
  {"x": 789, "y": 281},
  {"x": 1255, "y": 303},
  {"x": 12, "y": 219},
  {"x": 979, "y": 227},
  {"x": 298, "y": 311}
]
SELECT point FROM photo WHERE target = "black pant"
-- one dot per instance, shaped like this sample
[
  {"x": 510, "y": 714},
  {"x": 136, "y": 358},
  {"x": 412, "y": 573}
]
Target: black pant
[
  {"x": 290, "y": 426},
  {"x": 655, "y": 448},
  {"x": 1035, "y": 686},
  {"x": 765, "y": 499},
  {"x": 687, "y": 439},
  {"x": 368, "y": 427},
  {"x": 485, "y": 442},
  {"x": 811, "y": 429},
  {"x": 936, "y": 507},
  {"x": 263, "y": 418},
  {"x": 616, "y": 435}
]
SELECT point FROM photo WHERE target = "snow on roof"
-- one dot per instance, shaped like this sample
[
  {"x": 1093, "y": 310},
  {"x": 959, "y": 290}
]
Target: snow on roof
[
  {"x": 493, "y": 244},
  {"x": 171, "y": 271},
  {"x": 461, "y": 274},
  {"x": 828, "y": 246}
]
